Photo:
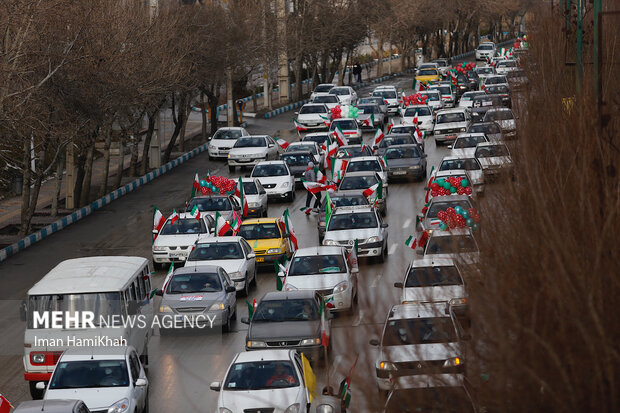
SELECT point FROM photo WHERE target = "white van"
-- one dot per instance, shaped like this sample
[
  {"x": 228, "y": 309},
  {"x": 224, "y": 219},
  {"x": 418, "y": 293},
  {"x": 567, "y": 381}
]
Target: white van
[{"x": 86, "y": 302}]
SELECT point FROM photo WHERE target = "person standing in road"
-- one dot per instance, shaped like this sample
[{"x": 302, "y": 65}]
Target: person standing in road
[
  {"x": 357, "y": 72},
  {"x": 310, "y": 176}
]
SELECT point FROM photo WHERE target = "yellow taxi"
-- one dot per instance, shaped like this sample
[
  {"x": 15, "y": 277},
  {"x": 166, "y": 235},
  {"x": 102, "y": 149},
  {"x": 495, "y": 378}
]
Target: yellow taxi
[
  {"x": 268, "y": 238},
  {"x": 427, "y": 75}
]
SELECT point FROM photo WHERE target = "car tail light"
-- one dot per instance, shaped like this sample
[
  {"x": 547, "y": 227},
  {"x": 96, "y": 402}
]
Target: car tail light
[{"x": 45, "y": 358}]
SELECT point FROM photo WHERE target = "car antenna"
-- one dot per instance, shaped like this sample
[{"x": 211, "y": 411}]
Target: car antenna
[
  {"x": 92, "y": 353},
  {"x": 43, "y": 406}
]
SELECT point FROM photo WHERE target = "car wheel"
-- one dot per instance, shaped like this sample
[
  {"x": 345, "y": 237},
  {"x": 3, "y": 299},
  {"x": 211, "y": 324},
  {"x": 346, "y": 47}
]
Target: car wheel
[
  {"x": 227, "y": 327},
  {"x": 234, "y": 314},
  {"x": 211, "y": 158},
  {"x": 254, "y": 280},
  {"x": 35, "y": 393},
  {"x": 246, "y": 287},
  {"x": 383, "y": 255},
  {"x": 292, "y": 196},
  {"x": 231, "y": 169},
  {"x": 265, "y": 213},
  {"x": 146, "y": 403}
]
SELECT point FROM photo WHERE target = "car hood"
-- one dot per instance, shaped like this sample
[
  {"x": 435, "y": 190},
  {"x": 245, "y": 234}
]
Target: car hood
[
  {"x": 469, "y": 258},
  {"x": 274, "y": 179},
  {"x": 316, "y": 281},
  {"x": 229, "y": 265},
  {"x": 414, "y": 352},
  {"x": 450, "y": 125},
  {"x": 463, "y": 152},
  {"x": 181, "y": 240},
  {"x": 99, "y": 398},
  {"x": 248, "y": 151},
  {"x": 193, "y": 299},
  {"x": 494, "y": 161},
  {"x": 223, "y": 143},
  {"x": 433, "y": 294},
  {"x": 311, "y": 117},
  {"x": 350, "y": 234},
  {"x": 297, "y": 169},
  {"x": 402, "y": 162},
  {"x": 239, "y": 400},
  {"x": 265, "y": 244},
  {"x": 286, "y": 330}
]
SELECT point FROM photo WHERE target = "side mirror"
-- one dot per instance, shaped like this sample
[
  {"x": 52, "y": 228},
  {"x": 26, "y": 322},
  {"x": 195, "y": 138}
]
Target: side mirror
[
  {"x": 231, "y": 289},
  {"x": 23, "y": 311},
  {"x": 159, "y": 292},
  {"x": 385, "y": 225},
  {"x": 215, "y": 386},
  {"x": 271, "y": 145},
  {"x": 40, "y": 385},
  {"x": 398, "y": 285},
  {"x": 296, "y": 113},
  {"x": 251, "y": 255},
  {"x": 141, "y": 383},
  {"x": 155, "y": 232},
  {"x": 374, "y": 342},
  {"x": 245, "y": 320}
]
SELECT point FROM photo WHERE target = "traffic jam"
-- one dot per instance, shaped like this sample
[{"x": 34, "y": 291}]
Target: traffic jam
[{"x": 447, "y": 136}]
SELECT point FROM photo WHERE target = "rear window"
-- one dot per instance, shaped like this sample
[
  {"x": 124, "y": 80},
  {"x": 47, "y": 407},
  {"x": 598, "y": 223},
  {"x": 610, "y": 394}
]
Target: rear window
[
  {"x": 357, "y": 182},
  {"x": 427, "y": 72},
  {"x": 317, "y": 264},
  {"x": 418, "y": 111},
  {"x": 451, "y": 117},
  {"x": 433, "y": 276},
  {"x": 310, "y": 109},
  {"x": 469, "y": 141},
  {"x": 492, "y": 151},
  {"x": 346, "y": 124},
  {"x": 323, "y": 88}
]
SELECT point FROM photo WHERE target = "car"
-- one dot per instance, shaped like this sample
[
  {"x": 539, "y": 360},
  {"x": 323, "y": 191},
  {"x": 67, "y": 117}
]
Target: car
[
  {"x": 405, "y": 161},
  {"x": 318, "y": 137},
  {"x": 276, "y": 178},
  {"x": 223, "y": 139},
  {"x": 466, "y": 162},
  {"x": 287, "y": 319},
  {"x": 433, "y": 99},
  {"x": 297, "y": 162},
  {"x": 369, "y": 164},
  {"x": 368, "y": 112},
  {"x": 408, "y": 129},
  {"x": 429, "y": 65},
  {"x": 426, "y": 120},
  {"x": 433, "y": 281},
  {"x": 466, "y": 82},
  {"x": 268, "y": 239},
  {"x": 345, "y": 94},
  {"x": 447, "y": 95},
  {"x": 465, "y": 144},
  {"x": 466, "y": 99},
  {"x": 211, "y": 205},
  {"x": 517, "y": 79},
  {"x": 491, "y": 129},
  {"x": 485, "y": 51},
  {"x": 417, "y": 339},
  {"x": 394, "y": 139},
  {"x": 105, "y": 378},
  {"x": 443, "y": 65},
  {"x": 506, "y": 120},
  {"x": 313, "y": 115},
  {"x": 250, "y": 150},
  {"x": 331, "y": 101},
  {"x": 389, "y": 96},
  {"x": 351, "y": 200},
  {"x": 450, "y": 123},
  {"x": 377, "y": 100},
  {"x": 459, "y": 173},
  {"x": 353, "y": 151},
  {"x": 328, "y": 271},
  {"x": 270, "y": 380},
  {"x": 503, "y": 91},
  {"x": 506, "y": 66},
  {"x": 350, "y": 128},
  {"x": 256, "y": 197},
  {"x": 458, "y": 244},
  {"x": 52, "y": 406},
  {"x": 484, "y": 72},
  {"x": 312, "y": 147},
  {"x": 496, "y": 59},
  {"x": 481, "y": 104},
  {"x": 495, "y": 159},
  {"x": 362, "y": 224},
  {"x": 353, "y": 182},
  {"x": 494, "y": 80},
  {"x": 427, "y": 75},
  {"x": 321, "y": 90},
  {"x": 175, "y": 240},
  {"x": 429, "y": 222},
  {"x": 232, "y": 253}
]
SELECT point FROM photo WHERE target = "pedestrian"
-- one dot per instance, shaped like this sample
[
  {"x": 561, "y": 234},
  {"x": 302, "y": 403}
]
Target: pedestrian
[
  {"x": 357, "y": 72},
  {"x": 310, "y": 176}
]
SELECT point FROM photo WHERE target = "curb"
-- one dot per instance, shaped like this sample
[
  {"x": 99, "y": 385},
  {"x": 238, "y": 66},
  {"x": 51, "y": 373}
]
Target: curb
[
  {"x": 286, "y": 108},
  {"x": 64, "y": 222}
]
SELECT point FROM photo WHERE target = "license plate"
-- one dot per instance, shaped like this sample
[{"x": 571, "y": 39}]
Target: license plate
[
  {"x": 176, "y": 254},
  {"x": 400, "y": 172},
  {"x": 450, "y": 136},
  {"x": 260, "y": 259}
]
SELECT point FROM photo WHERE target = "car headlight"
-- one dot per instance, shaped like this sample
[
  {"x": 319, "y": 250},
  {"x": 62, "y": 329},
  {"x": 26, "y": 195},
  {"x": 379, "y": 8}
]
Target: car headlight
[
  {"x": 330, "y": 242},
  {"x": 463, "y": 129},
  {"x": 253, "y": 204},
  {"x": 37, "y": 358},
  {"x": 228, "y": 155},
  {"x": 290, "y": 287},
  {"x": 414, "y": 167},
  {"x": 225, "y": 410},
  {"x": 236, "y": 276},
  {"x": 216, "y": 306},
  {"x": 285, "y": 185},
  {"x": 386, "y": 365},
  {"x": 324, "y": 408},
  {"x": 274, "y": 251},
  {"x": 165, "y": 308},
  {"x": 310, "y": 341},
  {"x": 158, "y": 248},
  {"x": 119, "y": 407},
  {"x": 293, "y": 408},
  {"x": 458, "y": 301},
  {"x": 373, "y": 239},
  {"x": 341, "y": 287},
  {"x": 256, "y": 344},
  {"x": 453, "y": 362}
]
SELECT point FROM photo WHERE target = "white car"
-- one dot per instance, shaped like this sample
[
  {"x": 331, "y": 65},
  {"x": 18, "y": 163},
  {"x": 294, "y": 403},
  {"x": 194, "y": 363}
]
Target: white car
[
  {"x": 467, "y": 98},
  {"x": 223, "y": 140},
  {"x": 443, "y": 65},
  {"x": 485, "y": 51},
  {"x": 318, "y": 137},
  {"x": 313, "y": 115},
  {"x": 362, "y": 224},
  {"x": 483, "y": 72},
  {"x": 321, "y": 90},
  {"x": 326, "y": 270},
  {"x": 494, "y": 157},
  {"x": 450, "y": 123},
  {"x": 346, "y": 94},
  {"x": 417, "y": 339},
  {"x": 469, "y": 163},
  {"x": 175, "y": 241},
  {"x": 311, "y": 147},
  {"x": 458, "y": 244},
  {"x": 447, "y": 95},
  {"x": 250, "y": 150},
  {"x": 233, "y": 254},
  {"x": 506, "y": 120},
  {"x": 433, "y": 281},
  {"x": 276, "y": 178},
  {"x": 433, "y": 100},
  {"x": 263, "y": 381},
  {"x": 350, "y": 128},
  {"x": 256, "y": 196},
  {"x": 356, "y": 182},
  {"x": 331, "y": 101},
  {"x": 426, "y": 120},
  {"x": 107, "y": 379},
  {"x": 369, "y": 164},
  {"x": 465, "y": 144},
  {"x": 460, "y": 173},
  {"x": 390, "y": 97}
]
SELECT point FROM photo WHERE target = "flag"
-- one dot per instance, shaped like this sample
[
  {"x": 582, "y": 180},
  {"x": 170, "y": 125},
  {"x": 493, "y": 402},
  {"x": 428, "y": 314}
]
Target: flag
[
  {"x": 312, "y": 187},
  {"x": 391, "y": 125},
  {"x": 326, "y": 121},
  {"x": 369, "y": 121},
  {"x": 168, "y": 276},
  {"x": 221, "y": 226},
  {"x": 306, "y": 210},
  {"x": 279, "y": 281},
  {"x": 5, "y": 406},
  {"x": 330, "y": 152},
  {"x": 411, "y": 242},
  {"x": 324, "y": 328},
  {"x": 418, "y": 86},
  {"x": 340, "y": 138},
  {"x": 345, "y": 395},
  {"x": 352, "y": 256},
  {"x": 158, "y": 221},
  {"x": 376, "y": 189},
  {"x": 415, "y": 119},
  {"x": 243, "y": 201},
  {"x": 422, "y": 240},
  {"x": 378, "y": 137},
  {"x": 196, "y": 186},
  {"x": 340, "y": 167},
  {"x": 251, "y": 308},
  {"x": 173, "y": 217},
  {"x": 320, "y": 177},
  {"x": 328, "y": 209},
  {"x": 283, "y": 144},
  {"x": 309, "y": 377},
  {"x": 417, "y": 135},
  {"x": 299, "y": 126},
  {"x": 195, "y": 213},
  {"x": 329, "y": 303},
  {"x": 236, "y": 223},
  {"x": 289, "y": 229}
]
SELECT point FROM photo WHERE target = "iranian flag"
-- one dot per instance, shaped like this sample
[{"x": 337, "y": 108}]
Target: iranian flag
[
  {"x": 195, "y": 213},
  {"x": 251, "y": 308},
  {"x": 411, "y": 242},
  {"x": 331, "y": 149},
  {"x": 5, "y": 406},
  {"x": 418, "y": 86},
  {"x": 236, "y": 223},
  {"x": 391, "y": 125},
  {"x": 320, "y": 176},
  {"x": 312, "y": 187},
  {"x": 352, "y": 256},
  {"x": 341, "y": 166},
  {"x": 158, "y": 221},
  {"x": 299, "y": 126},
  {"x": 173, "y": 217},
  {"x": 326, "y": 121},
  {"x": 378, "y": 137},
  {"x": 289, "y": 229},
  {"x": 168, "y": 276},
  {"x": 370, "y": 121},
  {"x": 283, "y": 144},
  {"x": 418, "y": 135},
  {"x": 306, "y": 210},
  {"x": 243, "y": 201},
  {"x": 328, "y": 209},
  {"x": 340, "y": 138},
  {"x": 415, "y": 119},
  {"x": 324, "y": 327},
  {"x": 376, "y": 189},
  {"x": 196, "y": 186},
  {"x": 280, "y": 281},
  {"x": 221, "y": 226}
]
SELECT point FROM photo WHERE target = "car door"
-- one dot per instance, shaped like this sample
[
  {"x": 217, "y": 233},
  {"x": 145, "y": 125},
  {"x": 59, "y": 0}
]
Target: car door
[
  {"x": 230, "y": 300},
  {"x": 250, "y": 262},
  {"x": 272, "y": 149},
  {"x": 138, "y": 393},
  {"x": 300, "y": 371},
  {"x": 262, "y": 194}
]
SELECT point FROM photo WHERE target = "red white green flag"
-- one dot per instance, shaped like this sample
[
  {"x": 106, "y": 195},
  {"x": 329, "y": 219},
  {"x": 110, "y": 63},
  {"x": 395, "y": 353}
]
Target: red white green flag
[
  {"x": 168, "y": 276},
  {"x": 288, "y": 224},
  {"x": 378, "y": 137},
  {"x": 299, "y": 126},
  {"x": 173, "y": 217},
  {"x": 221, "y": 225},
  {"x": 320, "y": 177},
  {"x": 391, "y": 125},
  {"x": 411, "y": 242},
  {"x": 283, "y": 144},
  {"x": 376, "y": 189},
  {"x": 196, "y": 186},
  {"x": 158, "y": 221},
  {"x": 195, "y": 213},
  {"x": 242, "y": 200},
  {"x": 352, "y": 257},
  {"x": 236, "y": 223},
  {"x": 340, "y": 137},
  {"x": 312, "y": 187},
  {"x": 324, "y": 325}
]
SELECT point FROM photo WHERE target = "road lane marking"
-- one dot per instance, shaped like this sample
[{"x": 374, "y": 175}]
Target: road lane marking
[
  {"x": 358, "y": 320},
  {"x": 376, "y": 280},
  {"x": 407, "y": 223},
  {"x": 392, "y": 249}
]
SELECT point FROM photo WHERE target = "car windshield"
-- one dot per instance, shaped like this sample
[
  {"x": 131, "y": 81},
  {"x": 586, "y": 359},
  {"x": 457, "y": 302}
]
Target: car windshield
[
  {"x": 346, "y": 124},
  {"x": 274, "y": 169},
  {"x": 498, "y": 115},
  {"x": 260, "y": 231},
  {"x": 470, "y": 95},
  {"x": 317, "y": 264},
  {"x": 485, "y": 47},
  {"x": 444, "y": 90},
  {"x": 484, "y": 70},
  {"x": 363, "y": 166},
  {"x": 436, "y": 207},
  {"x": 469, "y": 164},
  {"x": 250, "y": 188},
  {"x": 228, "y": 134},
  {"x": 250, "y": 143},
  {"x": 323, "y": 88},
  {"x": 210, "y": 204},
  {"x": 353, "y": 152},
  {"x": 103, "y": 305},
  {"x": 216, "y": 251},
  {"x": 310, "y": 147},
  {"x": 309, "y": 109},
  {"x": 495, "y": 80},
  {"x": 367, "y": 109},
  {"x": 411, "y": 112},
  {"x": 432, "y": 97},
  {"x": 499, "y": 89},
  {"x": 432, "y": 330},
  {"x": 297, "y": 159},
  {"x": 358, "y": 220},
  {"x": 347, "y": 200},
  {"x": 261, "y": 375},
  {"x": 315, "y": 138},
  {"x": 357, "y": 182},
  {"x": 85, "y": 374},
  {"x": 430, "y": 399},
  {"x": 427, "y": 72},
  {"x": 484, "y": 128},
  {"x": 452, "y": 244},
  {"x": 184, "y": 226},
  {"x": 397, "y": 153},
  {"x": 385, "y": 94},
  {"x": 339, "y": 91},
  {"x": 491, "y": 151},
  {"x": 469, "y": 141},
  {"x": 451, "y": 117},
  {"x": 195, "y": 282},
  {"x": 396, "y": 140},
  {"x": 286, "y": 310},
  {"x": 373, "y": 100},
  {"x": 326, "y": 99},
  {"x": 433, "y": 276}
]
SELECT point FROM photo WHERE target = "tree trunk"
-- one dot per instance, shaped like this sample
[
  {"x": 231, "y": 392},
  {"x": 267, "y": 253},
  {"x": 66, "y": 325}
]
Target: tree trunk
[
  {"x": 135, "y": 143},
  {"x": 179, "y": 120},
  {"x": 182, "y": 133},
  {"x": 57, "y": 183},
  {"x": 106, "y": 160},
  {"x": 88, "y": 174},
  {"x": 29, "y": 210},
  {"x": 147, "y": 142},
  {"x": 79, "y": 174},
  {"x": 380, "y": 57},
  {"x": 121, "y": 160},
  {"x": 203, "y": 115},
  {"x": 299, "y": 91},
  {"x": 25, "y": 222}
]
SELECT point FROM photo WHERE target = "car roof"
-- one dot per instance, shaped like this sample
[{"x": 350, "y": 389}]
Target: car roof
[
  {"x": 451, "y": 110},
  {"x": 403, "y": 145},
  {"x": 493, "y": 143},
  {"x": 260, "y": 221},
  {"x": 297, "y": 152},
  {"x": 347, "y": 194},
  {"x": 451, "y": 198},
  {"x": 302, "y": 143},
  {"x": 364, "y": 158},
  {"x": 217, "y": 240},
  {"x": 51, "y": 406},
  {"x": 352, "y": 209},
  {"x": 185, "y": 215},
  {"x": 230, "y": 128},
  {"x": 275, "y": 162},
  {"x": 263, "y": 355},
  {"x": 256, "y": 136},
  {"x": 432, "y": 262},
  {"x": 326, "y": 84},
  {"x": 455, "y": 157},
  {"x": 288, "y": 295},
  {"x": 89, "y": 274},
  {"x": 450, "y": 172},
  {"x": 202, "y": 268},
  {"x": 415, "y": 106},
  {"x": 95, "y": 353},
  {"x": 451, "y": 232},
  {"x": 422, "y": 310},
  {"x": 315, "y": 134},
  {"x": 318, "y": 250}
]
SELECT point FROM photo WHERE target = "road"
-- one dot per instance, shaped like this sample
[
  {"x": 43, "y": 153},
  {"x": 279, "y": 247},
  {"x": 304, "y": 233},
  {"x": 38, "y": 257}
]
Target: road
[{"x": 182, "y": 366}]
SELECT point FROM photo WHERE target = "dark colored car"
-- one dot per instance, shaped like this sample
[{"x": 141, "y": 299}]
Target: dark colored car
[
  {"x": 405, "y": 161},
  {"x": 389, "y": 140},
  {"x": 481, "y": 104},
  {"x": 491, "y": 129},
  {"x": 501, "y": 90},
  {"x": 297, "y": 163},
  {"x": 353, "y": 151}
]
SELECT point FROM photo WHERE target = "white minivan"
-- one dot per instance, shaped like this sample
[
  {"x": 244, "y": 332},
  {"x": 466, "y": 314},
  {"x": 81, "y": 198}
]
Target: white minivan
[{"x": 109, "y": 289}]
